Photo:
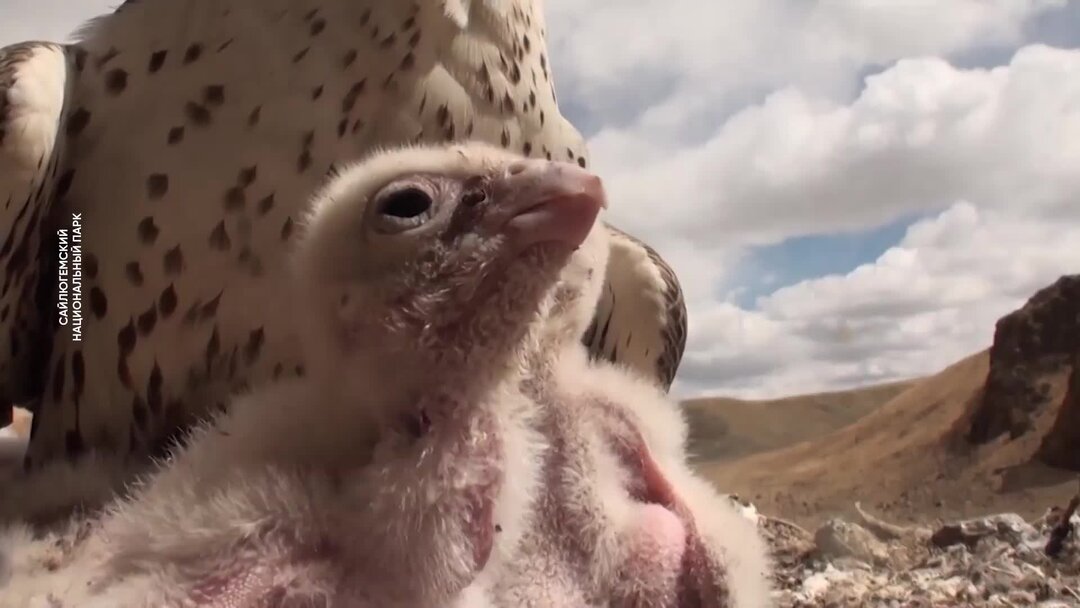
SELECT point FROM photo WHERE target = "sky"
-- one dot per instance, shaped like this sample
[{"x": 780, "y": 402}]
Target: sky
[{"x": 850, "y": 191}]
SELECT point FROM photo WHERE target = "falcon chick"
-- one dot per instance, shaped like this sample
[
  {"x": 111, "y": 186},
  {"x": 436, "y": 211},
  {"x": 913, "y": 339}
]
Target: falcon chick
[
  {"x": 461, "y": 450},
  {"x": 184, "y": 136}
]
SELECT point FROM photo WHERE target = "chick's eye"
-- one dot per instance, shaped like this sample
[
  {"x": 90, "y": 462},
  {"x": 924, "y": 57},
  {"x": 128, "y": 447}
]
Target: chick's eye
[{"x": 408, "y": 203}]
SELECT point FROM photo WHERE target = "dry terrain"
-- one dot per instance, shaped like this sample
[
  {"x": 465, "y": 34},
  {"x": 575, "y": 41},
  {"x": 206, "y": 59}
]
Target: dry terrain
[
  {"x": 722, "y": 428},
  {"x": 907, "y": 459}
]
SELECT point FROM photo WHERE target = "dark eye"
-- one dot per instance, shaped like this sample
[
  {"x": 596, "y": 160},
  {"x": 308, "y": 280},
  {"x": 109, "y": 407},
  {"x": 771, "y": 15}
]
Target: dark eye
[{"x": 407, "y": 203}]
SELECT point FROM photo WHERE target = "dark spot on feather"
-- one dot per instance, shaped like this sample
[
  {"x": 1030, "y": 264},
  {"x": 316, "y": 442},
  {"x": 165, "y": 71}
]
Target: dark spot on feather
[
  {"x": 235, "y": 198},
  {"x": 147, "y": 320},
  {"x": 192, "y": 53},
  {"x": 197, "y": 113},
  {"x": 247, "y": 175},
  {"x": 153, "y": 389},
  {"x": 126, "y": 339},
  {"x": 214, "y": 95},
  {"x": 148, "y": 230},
  {"x": 157, "y": 186},
  {"x": 157, "y": 59},
  {"x": 254, "y": 345},
  {"x": 219, "y": 237},
  {"x": 213, "y": 346},
  {"x": 349, "y": 58},
  {"x": 64, "y": 183},
  {"x": 133, "y": 273},
  {"x": 116, "y": 81},
  {"x": 208, "y": 310},
  {"x": 99, "y": 304},
  {"x": 173, "y": 261},
  {"x": 123, "y": 372},
  {"x": 78, "y": 120},
  {"x": 352, "y": 95},
  {"x": 167, "y": 301},
  {"x": 265, "y": 204}
]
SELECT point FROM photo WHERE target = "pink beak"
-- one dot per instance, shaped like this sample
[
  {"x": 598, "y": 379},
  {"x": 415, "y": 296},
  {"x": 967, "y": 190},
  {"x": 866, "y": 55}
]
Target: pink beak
[{"x": 540, "y": 201}]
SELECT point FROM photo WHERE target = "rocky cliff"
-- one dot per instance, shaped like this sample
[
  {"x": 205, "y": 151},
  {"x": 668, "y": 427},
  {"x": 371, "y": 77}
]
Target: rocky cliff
[
  {"x": 1061, "y": 446},
  {"x": 1030, "y": 344}
]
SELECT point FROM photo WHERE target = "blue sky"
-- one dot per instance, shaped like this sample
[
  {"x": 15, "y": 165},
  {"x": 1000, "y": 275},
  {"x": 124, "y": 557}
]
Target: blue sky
[
  {"x": 850, "y": 191},
  {"x": 766, "y": 269}
]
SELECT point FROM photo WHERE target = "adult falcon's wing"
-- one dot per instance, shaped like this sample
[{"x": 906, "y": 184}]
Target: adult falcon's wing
[
  {"x": 640, "y": 321},
  {"x": 33, "y": 80}
]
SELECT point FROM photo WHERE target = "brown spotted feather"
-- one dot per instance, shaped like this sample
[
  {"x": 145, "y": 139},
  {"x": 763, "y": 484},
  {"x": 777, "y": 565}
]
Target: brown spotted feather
[{"x": 194, "y": 134}]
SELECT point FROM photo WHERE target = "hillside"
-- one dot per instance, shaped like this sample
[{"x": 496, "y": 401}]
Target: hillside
[
  {"x": 722, "y": 428},
  {"x": 977, "y": 437},
  {"x": 906, "y": 458}
]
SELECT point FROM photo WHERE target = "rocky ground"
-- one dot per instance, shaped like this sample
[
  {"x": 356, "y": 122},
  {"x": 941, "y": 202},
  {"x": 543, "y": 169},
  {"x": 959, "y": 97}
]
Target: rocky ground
[{"x": 999, "y": 560}]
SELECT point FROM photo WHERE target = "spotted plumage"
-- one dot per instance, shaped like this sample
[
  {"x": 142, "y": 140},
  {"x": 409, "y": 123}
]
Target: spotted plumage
[
  {"x": 661, "y": 351},
  {"x": 189, "y": 136}
]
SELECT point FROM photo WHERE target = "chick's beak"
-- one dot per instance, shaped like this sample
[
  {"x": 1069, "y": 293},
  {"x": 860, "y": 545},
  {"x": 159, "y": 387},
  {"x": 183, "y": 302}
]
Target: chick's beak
[{"x": 539, "y": 201}]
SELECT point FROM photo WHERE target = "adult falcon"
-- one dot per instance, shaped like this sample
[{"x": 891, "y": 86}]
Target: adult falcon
[{"x": 152, "y": 173}]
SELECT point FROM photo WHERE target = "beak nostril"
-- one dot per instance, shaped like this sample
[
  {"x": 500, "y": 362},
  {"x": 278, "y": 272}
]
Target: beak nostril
[{"x": 473, "y": 198}]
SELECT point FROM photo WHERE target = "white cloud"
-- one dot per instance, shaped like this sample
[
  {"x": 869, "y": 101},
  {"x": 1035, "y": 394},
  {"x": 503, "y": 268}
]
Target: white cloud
[
  {"x": 923, "y": 304},
  {"x": 919, "y": 136},
  {"x": 690, "y": 60}
]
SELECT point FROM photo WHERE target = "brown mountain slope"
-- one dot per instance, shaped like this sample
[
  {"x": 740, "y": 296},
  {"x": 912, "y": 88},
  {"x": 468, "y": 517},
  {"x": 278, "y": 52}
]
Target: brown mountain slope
[
  {"x": 908, "y": 458},
  {"x": 722, "y": 428}
]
